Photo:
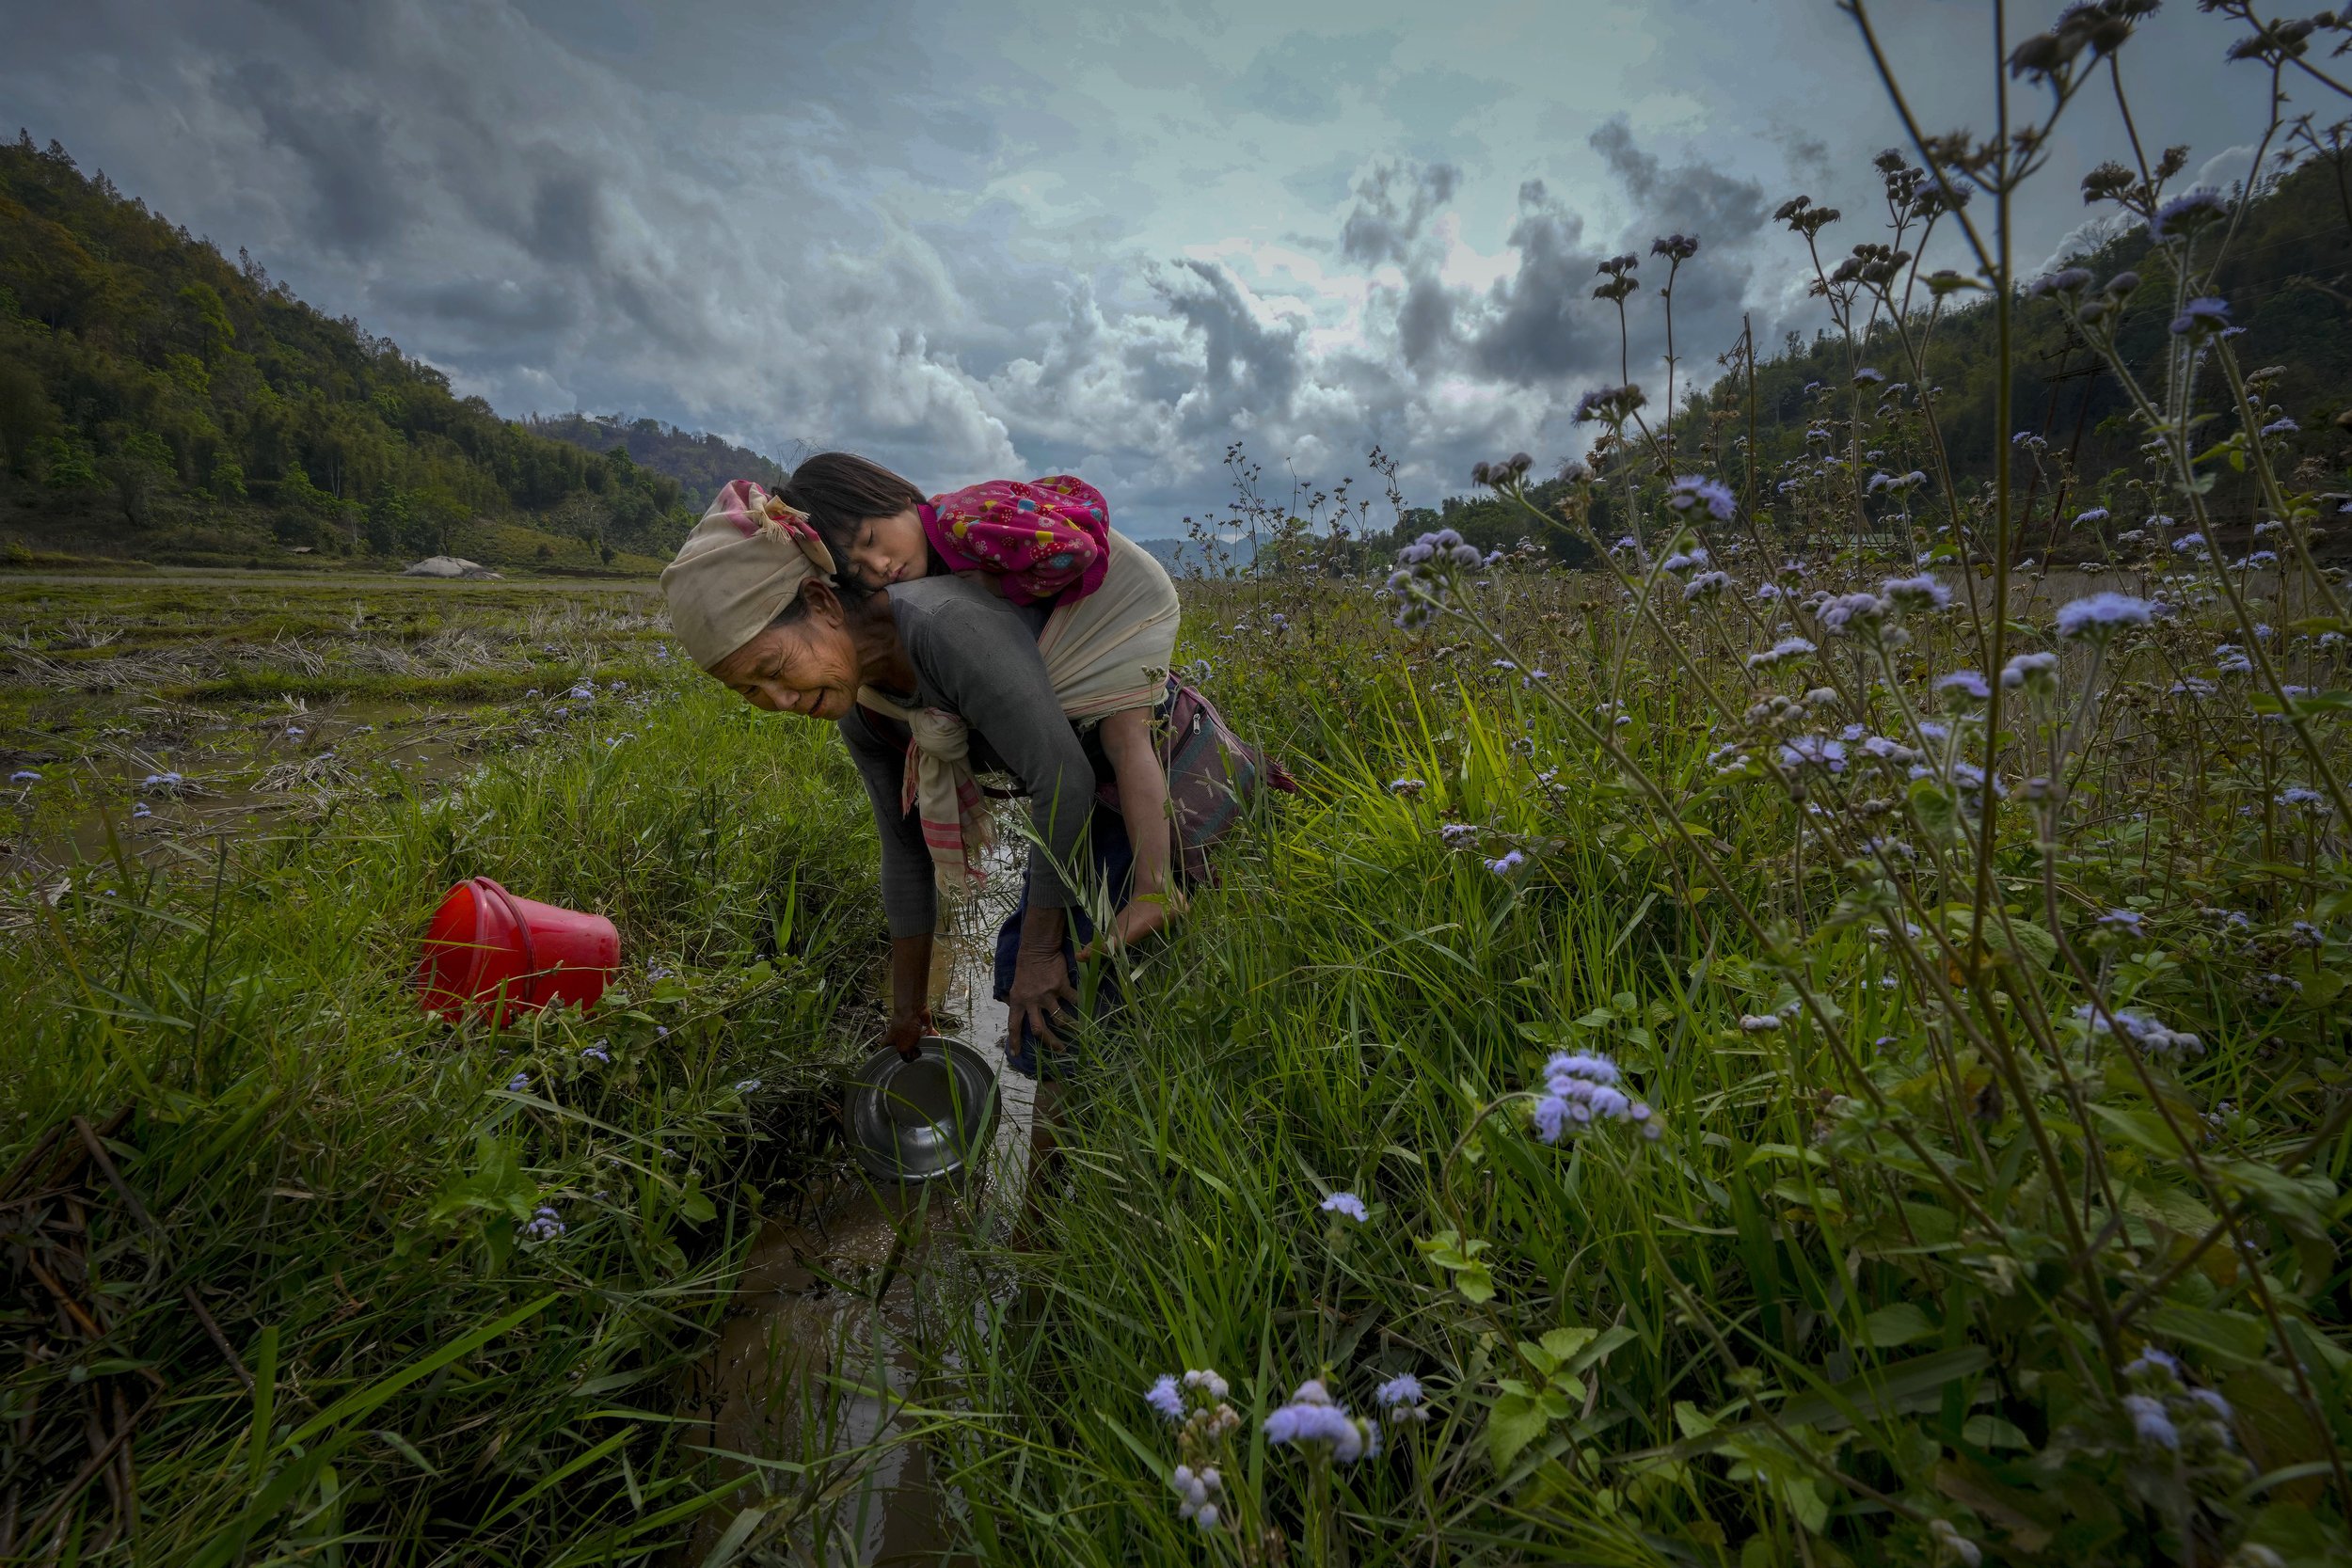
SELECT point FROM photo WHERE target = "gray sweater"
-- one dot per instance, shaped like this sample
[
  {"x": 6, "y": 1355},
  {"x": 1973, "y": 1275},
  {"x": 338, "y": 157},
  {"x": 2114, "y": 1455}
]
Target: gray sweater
[{"x": 975, "y": 656}]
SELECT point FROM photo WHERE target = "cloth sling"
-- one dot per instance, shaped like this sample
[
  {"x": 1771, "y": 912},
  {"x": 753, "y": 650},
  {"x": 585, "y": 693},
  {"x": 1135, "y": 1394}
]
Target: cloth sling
[{"x": 1103, "y": 654}]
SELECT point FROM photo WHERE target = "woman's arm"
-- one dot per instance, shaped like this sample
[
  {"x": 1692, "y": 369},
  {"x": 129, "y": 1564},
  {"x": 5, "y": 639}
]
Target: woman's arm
[
  {"x": 979, "y": 657},
  {"x": 909, "y": 898}
]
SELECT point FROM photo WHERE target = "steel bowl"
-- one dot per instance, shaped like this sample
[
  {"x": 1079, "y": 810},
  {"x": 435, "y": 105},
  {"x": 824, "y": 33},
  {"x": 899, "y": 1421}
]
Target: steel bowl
[{"x": 921, "y": 1119}]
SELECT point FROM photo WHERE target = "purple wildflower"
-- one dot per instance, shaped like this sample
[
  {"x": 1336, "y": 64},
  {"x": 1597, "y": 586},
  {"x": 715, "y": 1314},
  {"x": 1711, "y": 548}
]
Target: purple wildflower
[
  {"x": 1312, "y": 1419},
  {"x": 2097, "y": 617},
  {"x": 2182, "y": 215},
  {"x": 1919, "y": 592},
  {"x": 2148, "y": 1420},
  {"x": 2066, "y": 280},
  {"x": 1852, "y": 614},
  {"x": 2037, "y": 670},
  {"x": 1813, "y": 751},
  {"x": 2201, "y": 316},
  {"x": 1579, "y": 1087},
  {"x": 1693, "y": 490}
]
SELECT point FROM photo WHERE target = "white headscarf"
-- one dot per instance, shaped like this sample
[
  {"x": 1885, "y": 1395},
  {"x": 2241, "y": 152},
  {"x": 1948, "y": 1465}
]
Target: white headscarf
[{"x": 746, "y": 560}]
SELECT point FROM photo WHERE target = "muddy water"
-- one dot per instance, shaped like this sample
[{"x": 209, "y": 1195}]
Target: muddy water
[{"x": 807, "y": 1388}]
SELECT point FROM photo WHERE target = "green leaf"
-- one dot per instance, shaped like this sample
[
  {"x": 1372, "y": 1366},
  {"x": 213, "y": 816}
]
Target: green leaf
[
  {"x": 1918, "y": 1381},
  {"x": 2232, "y": 1336},
  {"x": 1932, "y": 806},
  {"x": 1900, "y": 1324},
  {"x": 1476, "y": 1281},
  {"x": 1991, "y": 1432},
  {"x": 1515, "y": 1422},
  {"x": 2142, "y": 1126},
  {"x": 1602, "y": 1347},
  {"x": 1563, "y": 1343}
]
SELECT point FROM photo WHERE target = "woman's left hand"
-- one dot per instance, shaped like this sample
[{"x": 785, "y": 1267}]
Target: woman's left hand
[{"x": 1041, "y": 977}]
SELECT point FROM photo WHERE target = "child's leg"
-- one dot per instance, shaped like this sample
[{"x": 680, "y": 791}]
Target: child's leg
[{"x": 1143, "y": 801}]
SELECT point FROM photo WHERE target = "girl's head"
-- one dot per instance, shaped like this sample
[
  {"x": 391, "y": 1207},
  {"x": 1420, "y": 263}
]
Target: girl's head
[{"x": 865, "y": 514}]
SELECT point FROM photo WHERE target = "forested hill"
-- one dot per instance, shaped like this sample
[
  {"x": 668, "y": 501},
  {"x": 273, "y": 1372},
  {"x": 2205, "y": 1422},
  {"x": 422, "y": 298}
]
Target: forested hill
[
  {"x": 701, "y": 464},
  {"x": 161, "y": 402},
  {"x": 2287, "y": 276}
]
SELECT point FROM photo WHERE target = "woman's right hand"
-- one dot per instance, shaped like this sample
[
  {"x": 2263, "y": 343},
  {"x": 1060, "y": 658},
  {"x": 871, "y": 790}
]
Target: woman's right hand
[
  {"x": 907, "y": 1031},
  {"x": 910, "y": 995}
]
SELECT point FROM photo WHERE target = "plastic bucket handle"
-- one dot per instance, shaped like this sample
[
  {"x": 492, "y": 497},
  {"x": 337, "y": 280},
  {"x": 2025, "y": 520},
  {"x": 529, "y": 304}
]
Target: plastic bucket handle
[{"x": 530, "y": 978}]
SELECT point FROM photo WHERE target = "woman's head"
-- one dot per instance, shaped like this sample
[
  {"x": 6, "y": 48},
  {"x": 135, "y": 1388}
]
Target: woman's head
[
  {"x": 750, "y": 564},
  {"x": 865, "y": 514},
  {"x": 804, "y": 661}
]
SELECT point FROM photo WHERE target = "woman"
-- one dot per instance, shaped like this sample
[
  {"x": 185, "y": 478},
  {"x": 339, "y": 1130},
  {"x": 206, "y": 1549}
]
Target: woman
[{"x": 937, "y": 663}]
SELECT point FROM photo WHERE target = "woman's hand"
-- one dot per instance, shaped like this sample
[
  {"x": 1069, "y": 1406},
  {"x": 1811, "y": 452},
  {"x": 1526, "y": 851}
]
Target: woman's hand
[
  {"x": 907, "y": 1031},
  {"x": 910, "y": 995},
  {"x": 1041, "y": 988},
  {"x": 1041, "y": 977}
]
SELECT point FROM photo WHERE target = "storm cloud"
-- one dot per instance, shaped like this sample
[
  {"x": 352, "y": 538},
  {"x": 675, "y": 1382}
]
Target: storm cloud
[{"x": 1045, "y": 237}]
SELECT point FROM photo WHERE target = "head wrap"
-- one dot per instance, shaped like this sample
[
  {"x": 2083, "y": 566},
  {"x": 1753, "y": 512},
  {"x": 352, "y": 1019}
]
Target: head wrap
[{"x": 745, "y": 562}]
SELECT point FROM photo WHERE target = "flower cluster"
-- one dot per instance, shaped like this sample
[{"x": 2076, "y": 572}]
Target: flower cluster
[
  {"x": 1348, "y": 1204},
  {"x": 1693, "y": 490},
  {"x": 2098, "y": 617},
  {"x": 2139, "y": 1029},
  {"x": 1609, "y": 405},
  {"x": 1424, "y": 572},
  {"x": 1580, "y": 1088},
  {"x": 1196, "y": 1406},
  {"x": 1317, "y": 1425},
  {"x": 2185, "y": 1426}
]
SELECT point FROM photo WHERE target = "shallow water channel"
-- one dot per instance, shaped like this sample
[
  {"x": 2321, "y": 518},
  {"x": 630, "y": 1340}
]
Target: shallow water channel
[{"x": 807, "y": 1390}]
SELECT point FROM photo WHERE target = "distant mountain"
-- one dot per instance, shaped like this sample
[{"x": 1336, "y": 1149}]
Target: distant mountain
[
  {"x": 161, "y": 402},
  {"x": 701, "y": 464},
  {"x": 1183, "y": 558}
]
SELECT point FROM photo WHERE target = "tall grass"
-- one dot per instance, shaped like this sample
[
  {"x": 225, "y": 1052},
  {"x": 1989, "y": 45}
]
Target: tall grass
[{"x": 460, "y": 1269}]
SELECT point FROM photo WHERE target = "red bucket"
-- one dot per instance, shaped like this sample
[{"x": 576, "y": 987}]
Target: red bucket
[{"x": 487, "y": 950}]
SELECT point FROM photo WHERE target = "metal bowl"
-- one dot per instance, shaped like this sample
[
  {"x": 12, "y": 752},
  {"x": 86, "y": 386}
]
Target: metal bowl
[{"x": 920, "y": 1120}]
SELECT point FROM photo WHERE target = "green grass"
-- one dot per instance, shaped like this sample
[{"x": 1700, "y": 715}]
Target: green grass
[
  {"x": 1775, "y": 1334},
  {"x": 343, "y": 1180},
  {"x": 1355, "y": 1009}
]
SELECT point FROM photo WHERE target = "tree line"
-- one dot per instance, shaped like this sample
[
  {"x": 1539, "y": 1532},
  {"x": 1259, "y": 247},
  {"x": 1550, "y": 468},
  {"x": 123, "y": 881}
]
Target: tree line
[{"x": 155, "y": 384}]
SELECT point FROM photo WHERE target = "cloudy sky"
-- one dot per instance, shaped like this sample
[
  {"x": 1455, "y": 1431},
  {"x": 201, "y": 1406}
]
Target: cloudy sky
[{"x": 973, "y": 238}]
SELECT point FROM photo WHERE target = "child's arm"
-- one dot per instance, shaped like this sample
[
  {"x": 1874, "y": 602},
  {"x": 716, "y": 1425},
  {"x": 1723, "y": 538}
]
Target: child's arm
[{"x": 1143, "y": 802}]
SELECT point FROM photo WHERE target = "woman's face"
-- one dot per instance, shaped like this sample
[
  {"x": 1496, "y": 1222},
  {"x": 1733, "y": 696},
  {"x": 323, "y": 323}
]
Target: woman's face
[{"x": 809, "y": 666}]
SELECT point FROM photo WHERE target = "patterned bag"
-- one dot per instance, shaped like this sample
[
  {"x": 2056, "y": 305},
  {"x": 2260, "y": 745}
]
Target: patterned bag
[{"x": 1211, "y": 773}]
